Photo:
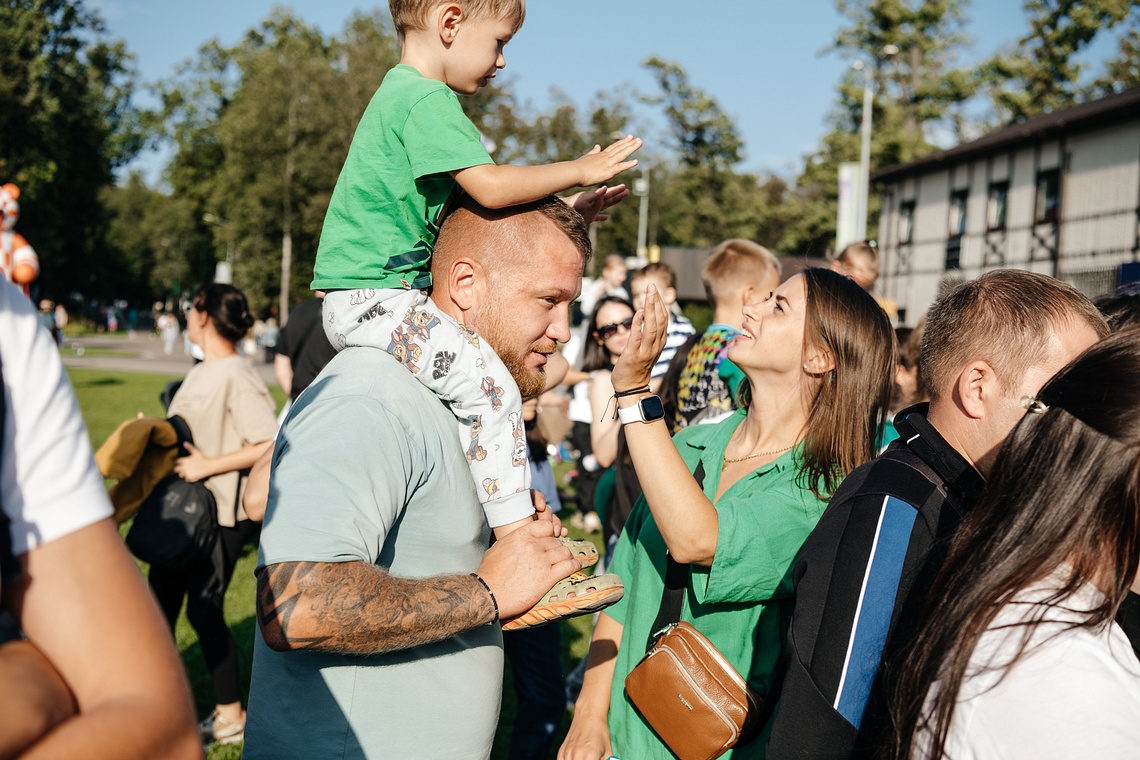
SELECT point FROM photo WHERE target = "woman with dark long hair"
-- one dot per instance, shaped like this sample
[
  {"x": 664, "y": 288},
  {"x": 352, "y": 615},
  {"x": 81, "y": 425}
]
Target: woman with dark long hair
[
  {"x": 1017, "y": 653},
  {"x": 818, "y": 358},
  {"x": 231, "y": 416}
]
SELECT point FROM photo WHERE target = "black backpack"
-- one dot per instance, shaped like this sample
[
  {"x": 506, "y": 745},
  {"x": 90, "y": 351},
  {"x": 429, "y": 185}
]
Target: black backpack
[{"x": 177, "y": 525}]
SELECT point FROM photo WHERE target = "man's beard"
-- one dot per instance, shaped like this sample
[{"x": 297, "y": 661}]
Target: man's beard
[
  {"x": 531, "y": 382},
  {"x": 497, "y": 333}
]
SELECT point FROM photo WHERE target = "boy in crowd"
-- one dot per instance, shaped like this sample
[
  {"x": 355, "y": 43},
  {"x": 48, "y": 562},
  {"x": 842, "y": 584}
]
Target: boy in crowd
[
  {"x": 860, "y": 262},
  {"x": 665, "y": 279},
  {"x": 412, "y": 148},
  {"x": 737, "y": 272}
]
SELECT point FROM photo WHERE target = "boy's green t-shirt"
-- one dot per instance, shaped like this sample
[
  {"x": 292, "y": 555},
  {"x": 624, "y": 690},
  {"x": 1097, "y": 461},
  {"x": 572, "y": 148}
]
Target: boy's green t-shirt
[{"x": 383, "y": 218}]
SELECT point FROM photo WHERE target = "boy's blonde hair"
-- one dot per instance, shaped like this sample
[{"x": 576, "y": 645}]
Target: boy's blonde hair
[
  {"x": 735, "y": 263},
  {"x": 656, "y": 269},
  {"x": 412, "y": 14}
]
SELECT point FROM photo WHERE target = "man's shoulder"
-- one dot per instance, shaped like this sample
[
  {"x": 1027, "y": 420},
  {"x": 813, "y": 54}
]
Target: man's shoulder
[
  {"x": 366, "y": 380},
  {"x": 897, "y": 472}
]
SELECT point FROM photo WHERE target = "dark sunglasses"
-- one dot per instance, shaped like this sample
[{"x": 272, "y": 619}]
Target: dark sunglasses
[{"x": 605, "y": 332}]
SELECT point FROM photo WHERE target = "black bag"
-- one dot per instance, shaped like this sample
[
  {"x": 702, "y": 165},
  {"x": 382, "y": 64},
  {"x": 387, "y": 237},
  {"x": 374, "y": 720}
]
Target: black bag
[{"x": 177, "y": 525}]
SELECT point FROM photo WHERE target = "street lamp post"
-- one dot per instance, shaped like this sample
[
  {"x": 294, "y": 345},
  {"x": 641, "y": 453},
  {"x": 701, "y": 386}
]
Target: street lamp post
[
  {"x": 641, "y": 189},
  {"x": 863, "y": 194}
]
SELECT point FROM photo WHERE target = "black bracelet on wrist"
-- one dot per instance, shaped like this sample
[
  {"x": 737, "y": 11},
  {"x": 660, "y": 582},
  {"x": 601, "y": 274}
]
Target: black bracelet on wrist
[
  {"x": 490, "y": 593},
  {"x": 635, "y": 391}
]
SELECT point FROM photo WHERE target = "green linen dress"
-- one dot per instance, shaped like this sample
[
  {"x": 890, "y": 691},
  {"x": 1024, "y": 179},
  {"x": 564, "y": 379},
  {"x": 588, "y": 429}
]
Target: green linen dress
[{"x": 741, "y": 603}]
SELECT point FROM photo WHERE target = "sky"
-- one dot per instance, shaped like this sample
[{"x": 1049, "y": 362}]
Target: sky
[{"x": 766, "y": 62}]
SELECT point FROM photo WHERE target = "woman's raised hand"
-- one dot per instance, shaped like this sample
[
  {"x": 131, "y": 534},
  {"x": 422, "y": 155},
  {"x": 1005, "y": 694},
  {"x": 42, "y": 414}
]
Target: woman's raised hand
[{"x": 646, "y": 340}]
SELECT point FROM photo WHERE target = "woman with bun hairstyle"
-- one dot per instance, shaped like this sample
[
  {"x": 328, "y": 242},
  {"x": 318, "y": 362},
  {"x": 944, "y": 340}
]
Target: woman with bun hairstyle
[{"x": 231, "y": 417}]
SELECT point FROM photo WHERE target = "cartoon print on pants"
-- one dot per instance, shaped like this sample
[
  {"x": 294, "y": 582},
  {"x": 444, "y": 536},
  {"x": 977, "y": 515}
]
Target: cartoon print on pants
[
  {"x": 406, "y": 352},
  {"x": 357, "y": 297},
  {"x": 493, "y": 392},
  {"x": 442, "y": 364},
  {"x": 469, "y": 336},
  {"x": 475, "y": 452},
  {"x": 518, "y": 454},
  {"x": 491, "y": 486},
  {"x": 419, "y": 323}
]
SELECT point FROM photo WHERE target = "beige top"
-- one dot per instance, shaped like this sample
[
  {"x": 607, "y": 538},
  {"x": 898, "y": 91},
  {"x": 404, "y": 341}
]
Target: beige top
[{"x": 227, "y": 406}]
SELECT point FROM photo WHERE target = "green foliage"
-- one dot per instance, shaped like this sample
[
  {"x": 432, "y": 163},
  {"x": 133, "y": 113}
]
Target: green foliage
[
  {"x": 65, "y": 123},
  {"x": 1123, "y": 71},
  {"x": 1041, "y": 73},
  {"x": 911, "y": 49},
  {"x": 157, "y": 240}
]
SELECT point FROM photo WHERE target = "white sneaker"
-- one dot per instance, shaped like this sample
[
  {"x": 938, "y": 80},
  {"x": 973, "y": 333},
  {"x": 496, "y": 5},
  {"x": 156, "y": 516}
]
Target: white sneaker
[{"x": 214, "y": 729}]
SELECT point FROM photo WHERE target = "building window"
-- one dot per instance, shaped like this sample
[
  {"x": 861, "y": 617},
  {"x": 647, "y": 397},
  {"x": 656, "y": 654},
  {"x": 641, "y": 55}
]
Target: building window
[
  {"x": 1048, "y": 196},
  {"x": 995, "y": 208},
  {"x": 957, "y": 226},
  {"x": 906, "y": 222}
]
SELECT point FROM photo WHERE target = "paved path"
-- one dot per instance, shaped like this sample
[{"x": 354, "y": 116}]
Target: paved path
[{"x": 141, "y": 352}]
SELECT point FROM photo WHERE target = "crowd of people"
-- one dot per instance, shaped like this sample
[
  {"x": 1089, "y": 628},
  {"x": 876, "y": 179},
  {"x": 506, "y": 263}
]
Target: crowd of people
[{"x": 906, "y": 543}]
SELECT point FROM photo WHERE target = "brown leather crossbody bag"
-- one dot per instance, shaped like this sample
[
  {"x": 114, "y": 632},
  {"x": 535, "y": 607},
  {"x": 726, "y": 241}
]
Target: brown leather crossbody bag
[{"x": 685, "y": 689}]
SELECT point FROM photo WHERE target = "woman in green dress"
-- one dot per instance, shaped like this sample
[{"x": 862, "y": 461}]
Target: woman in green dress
[{"x": 818, "y": 358}]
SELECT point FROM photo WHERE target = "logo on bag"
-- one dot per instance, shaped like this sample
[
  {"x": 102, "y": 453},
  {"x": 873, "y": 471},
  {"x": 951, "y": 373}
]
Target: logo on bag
[{"x": 685, "y": 702}]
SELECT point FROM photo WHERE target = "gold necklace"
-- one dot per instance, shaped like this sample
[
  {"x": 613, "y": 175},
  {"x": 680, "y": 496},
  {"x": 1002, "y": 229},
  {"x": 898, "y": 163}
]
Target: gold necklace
[{"x": 728, "y": 461}]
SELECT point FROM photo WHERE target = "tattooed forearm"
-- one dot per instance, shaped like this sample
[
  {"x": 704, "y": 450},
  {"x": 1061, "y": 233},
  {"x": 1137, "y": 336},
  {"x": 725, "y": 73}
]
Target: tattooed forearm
[{"x": 357, "y": 608}]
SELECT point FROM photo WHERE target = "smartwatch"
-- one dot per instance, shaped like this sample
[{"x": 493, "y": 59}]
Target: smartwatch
[{"x": 648, "y": 409}]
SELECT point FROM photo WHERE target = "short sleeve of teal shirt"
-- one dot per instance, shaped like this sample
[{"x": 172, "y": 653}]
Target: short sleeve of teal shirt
[
  {"x": 740, "y": 601},
  {"x": 383, "y": 217}
]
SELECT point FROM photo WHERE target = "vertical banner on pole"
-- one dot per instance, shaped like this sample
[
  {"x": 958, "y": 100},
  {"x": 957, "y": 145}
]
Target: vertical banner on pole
[{"x": 846, "y": 226}]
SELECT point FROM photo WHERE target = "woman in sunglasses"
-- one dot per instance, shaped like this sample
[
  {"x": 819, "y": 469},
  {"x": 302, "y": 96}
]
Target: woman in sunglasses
[
  {"x": 735, "y": 500},
  {"x": 609, "y": 334}
]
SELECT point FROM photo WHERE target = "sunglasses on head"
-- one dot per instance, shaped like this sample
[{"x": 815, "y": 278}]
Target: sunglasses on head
[{"x": 605, "y": 332}]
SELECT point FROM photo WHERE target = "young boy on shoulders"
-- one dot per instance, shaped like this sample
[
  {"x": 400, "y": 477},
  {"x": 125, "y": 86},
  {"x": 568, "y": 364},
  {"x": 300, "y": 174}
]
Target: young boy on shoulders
[{"x": 412, "y": 149}]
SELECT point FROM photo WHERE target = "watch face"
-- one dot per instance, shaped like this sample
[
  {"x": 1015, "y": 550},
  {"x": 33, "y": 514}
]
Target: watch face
[{"x": 651, "y": 408}]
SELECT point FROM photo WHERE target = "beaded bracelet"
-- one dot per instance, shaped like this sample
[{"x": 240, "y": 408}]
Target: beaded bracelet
[{"x": 490, "y": 593}]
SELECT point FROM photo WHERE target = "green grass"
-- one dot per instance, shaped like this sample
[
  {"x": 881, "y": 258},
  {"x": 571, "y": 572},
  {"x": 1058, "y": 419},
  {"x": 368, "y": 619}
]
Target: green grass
[{"x": 107, "y": 398}]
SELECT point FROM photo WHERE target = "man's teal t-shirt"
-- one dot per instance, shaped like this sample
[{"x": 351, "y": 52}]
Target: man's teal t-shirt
[{"x": 383, "y": 218}]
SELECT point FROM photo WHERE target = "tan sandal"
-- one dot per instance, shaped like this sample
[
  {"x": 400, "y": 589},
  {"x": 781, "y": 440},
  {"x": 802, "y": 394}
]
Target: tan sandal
[
  {"x": 583, "y": 550},
  {"x": 577, "y": 595}
]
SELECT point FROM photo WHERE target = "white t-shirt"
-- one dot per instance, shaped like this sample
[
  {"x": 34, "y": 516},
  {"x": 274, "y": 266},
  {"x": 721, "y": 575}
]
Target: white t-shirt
[
  {"x": 1074, "y": 694},
  {"x": 49, "y": 485}
]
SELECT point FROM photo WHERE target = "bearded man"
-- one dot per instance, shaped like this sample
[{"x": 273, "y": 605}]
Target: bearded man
[{"x": 378, "y": 598}]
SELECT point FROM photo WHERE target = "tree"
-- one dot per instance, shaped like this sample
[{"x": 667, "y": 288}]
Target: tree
[
  {"x": 911, "y": 48},
  {"x": 1041, "y": 75},
  {"x": 1123, "y": 71},
  {"x": 262, "y": 130},
  {"x": 65, "y": 123},
  {"x": 156, "y": 240}
]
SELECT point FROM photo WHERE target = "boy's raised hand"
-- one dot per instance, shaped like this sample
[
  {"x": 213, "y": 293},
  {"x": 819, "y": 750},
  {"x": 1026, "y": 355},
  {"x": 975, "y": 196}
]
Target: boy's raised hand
[
  {"x": 591, "y": 203},
  {"x": 600, "y": 166}
]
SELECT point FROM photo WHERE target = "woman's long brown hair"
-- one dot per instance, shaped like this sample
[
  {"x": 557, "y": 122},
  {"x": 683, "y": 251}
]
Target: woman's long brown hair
[{"x": 851, "y": 400}]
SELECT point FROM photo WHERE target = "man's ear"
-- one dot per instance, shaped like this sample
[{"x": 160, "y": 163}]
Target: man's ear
[
  {"x": 977, "y": 384},
  {"x": 449, "y": 18},
  {"x": 462, "y": 277}
]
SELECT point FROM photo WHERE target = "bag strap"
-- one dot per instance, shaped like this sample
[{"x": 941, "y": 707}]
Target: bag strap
[{"x": 676, "y": 583}]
